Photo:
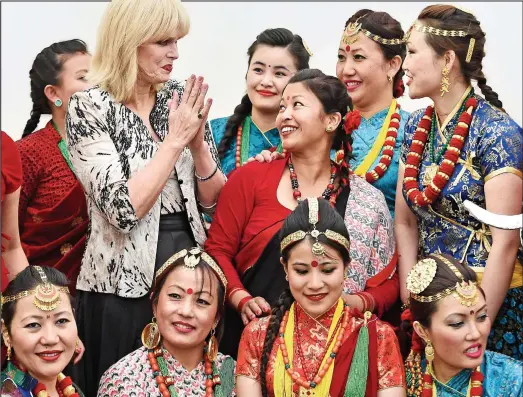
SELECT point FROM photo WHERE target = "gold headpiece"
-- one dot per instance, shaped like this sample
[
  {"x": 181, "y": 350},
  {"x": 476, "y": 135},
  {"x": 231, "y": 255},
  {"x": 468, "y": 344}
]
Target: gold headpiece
[
  {"x": 191, "y": 259},
  {"x": 307, "y": 48},
  {"x": 317, "y": 247},
  {"x": 422, "y": 274},
  {"x": 46, "y": 295},
  {"x": 442, "y": 32},
  {"x": 350, "y": 35}
]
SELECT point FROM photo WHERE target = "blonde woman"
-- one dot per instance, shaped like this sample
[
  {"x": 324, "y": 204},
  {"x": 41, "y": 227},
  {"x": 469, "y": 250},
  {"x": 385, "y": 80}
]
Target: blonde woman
[{"x": 140, "y": 147}]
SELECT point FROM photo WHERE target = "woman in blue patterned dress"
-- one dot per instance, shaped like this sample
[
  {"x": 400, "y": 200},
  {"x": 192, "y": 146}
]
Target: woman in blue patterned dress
[
  {"x": 370, "y": 55},
  {"x": 275, "y": 56},
  {"x": 464, "y": 147}
]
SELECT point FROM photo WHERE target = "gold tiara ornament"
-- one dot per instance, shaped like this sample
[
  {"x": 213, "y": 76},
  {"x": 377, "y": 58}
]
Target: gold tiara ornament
[
  {"x": 191, "y": 259},
  {"x": 317, "y": 248},
  {"x": 422, "y": 274},
  {"x": 350, "y": 35},
  {"x": 445, "y": 33},
  {"x": 46, "y": 295}
]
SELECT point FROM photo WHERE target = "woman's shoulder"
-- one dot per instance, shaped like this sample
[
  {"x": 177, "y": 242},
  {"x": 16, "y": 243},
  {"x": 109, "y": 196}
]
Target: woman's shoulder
[
  {"x": 257, "y": 172},
  {"x": 218, "y": 128},
  {"x": 256, "y": 328},
  {"x": 362, "y": 191},
  {"x": 505, "y": 363},
  {"x": 495, "y": 119},
  {"x": 127, "y": 365}
]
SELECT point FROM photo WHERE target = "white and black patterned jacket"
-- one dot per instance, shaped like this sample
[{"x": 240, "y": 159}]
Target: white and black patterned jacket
[{"x": 107, "y": 144}]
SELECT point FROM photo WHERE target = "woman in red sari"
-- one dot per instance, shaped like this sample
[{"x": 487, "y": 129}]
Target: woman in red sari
[
  {"x": 313, "y": 344},
  {"x": 52, "y": 212},
  {"x": 243, "y": 237}
]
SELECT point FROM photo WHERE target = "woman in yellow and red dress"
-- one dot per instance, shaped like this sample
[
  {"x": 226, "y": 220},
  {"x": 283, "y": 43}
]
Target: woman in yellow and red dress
[
  {"x": 52, "y": 211},
  {"x": 313, "y": 344}
]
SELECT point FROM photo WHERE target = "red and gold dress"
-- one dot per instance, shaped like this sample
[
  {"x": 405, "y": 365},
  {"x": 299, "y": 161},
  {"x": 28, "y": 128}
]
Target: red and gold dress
[
  {"x": 310, "y": 344},
  {"x": 52, "y": 212}
]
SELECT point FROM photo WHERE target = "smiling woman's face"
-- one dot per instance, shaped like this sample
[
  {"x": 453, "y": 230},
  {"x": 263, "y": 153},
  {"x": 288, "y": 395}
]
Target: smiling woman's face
[
  {"x": 43, "y": 341},
  {"x": 269, "y": 72},
  {"x": 316, "y": 282},
  {"x": 187, "y": 307}
]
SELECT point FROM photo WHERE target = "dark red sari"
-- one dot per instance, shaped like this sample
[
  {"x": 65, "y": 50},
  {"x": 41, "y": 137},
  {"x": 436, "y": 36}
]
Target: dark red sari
[{"x": 53, "y": 212}]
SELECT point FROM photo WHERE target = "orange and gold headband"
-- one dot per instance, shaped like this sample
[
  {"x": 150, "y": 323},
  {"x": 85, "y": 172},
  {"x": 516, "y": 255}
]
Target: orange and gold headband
[
  {"x": 46, "y": 295},
  {"x": 317, "y": 247}
]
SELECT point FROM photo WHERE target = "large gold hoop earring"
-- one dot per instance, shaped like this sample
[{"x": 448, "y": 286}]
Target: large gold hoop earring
[{"x": 151, "y": 335}]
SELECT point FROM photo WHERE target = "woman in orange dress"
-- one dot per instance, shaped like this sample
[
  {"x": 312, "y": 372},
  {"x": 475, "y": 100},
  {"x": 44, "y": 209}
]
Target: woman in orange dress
[{"x": 313, "y": 344}]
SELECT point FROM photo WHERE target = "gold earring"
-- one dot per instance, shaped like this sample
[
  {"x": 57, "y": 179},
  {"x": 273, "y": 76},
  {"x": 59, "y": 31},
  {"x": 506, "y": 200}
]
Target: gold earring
[
  {"x": 286, "y": 277},
  {"x": 328, "y": 129},
  {"x": 212, "y": 346},
  {"x": 389, "y": 78},
  {"x": 429, "y": 351},
  {"x": 445, "y": 82},
  {"x": 151, "y": 335},
  {"x": 9, "y": 353}
]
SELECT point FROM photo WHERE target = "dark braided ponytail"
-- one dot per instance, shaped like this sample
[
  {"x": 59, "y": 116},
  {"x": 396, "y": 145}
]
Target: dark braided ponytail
[
  {"x": 46, "y": 70},
  {"x": 279, "y": 310},
  {"x": 332, "y": 94},
  {"x": 449, "y": 17},
  {"x": 383, "y": 25},
  {"x": 279, "y": 37}
]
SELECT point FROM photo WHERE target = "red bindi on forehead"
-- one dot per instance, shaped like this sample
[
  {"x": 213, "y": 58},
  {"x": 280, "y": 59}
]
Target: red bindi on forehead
[
  {"x": 347, "y": 48},
  {"x": 314, "y": 263},
  {"x": 190, "y": 291}
]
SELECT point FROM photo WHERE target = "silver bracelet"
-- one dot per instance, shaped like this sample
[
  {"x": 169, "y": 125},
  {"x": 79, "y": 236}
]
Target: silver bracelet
[
  {"x": 206, "y": 178},
  {"x": 207, "y": 208}
]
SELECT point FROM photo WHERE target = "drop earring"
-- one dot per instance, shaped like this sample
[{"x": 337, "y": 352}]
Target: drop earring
[{"x": 445, "y": 82}]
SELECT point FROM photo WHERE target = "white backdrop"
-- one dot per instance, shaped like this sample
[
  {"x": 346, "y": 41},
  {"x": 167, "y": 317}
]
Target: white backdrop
[{"x": 220, "y": 35}]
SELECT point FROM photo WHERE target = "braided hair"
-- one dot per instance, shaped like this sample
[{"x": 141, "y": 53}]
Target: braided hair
[
  {"x": 279, "y": 37},
  {"x": 299, "y": 220},
  {"x": 46, "y": 70},
  {"x": 449, "y": 17},
  {"x": 383, "y": 25}
]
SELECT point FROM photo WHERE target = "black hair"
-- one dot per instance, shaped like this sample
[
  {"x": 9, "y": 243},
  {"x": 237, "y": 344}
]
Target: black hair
[
  {"x": 279, "y": 37},
  {"x": 26, "y": 280},
  {"x": 385, "y": 26},
  {"x": 330, "y": 219},
  {"x": 423, "y": 311},
  {"x": 332, "y": 94},
  {"x": 207, "y": 272},
  {"x": 448, "y": 17},
  {"x": 46, "y": 70}
]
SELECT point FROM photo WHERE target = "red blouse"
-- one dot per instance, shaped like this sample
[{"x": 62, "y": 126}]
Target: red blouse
[
  {"x": 52, "y": 212},
  {"x": 247, "y": 217},
  {"x": 11, "y": 181}
]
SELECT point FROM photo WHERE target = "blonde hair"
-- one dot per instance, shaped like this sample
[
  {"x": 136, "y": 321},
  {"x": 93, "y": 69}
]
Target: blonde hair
[{"x": 125, "y": 26}]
